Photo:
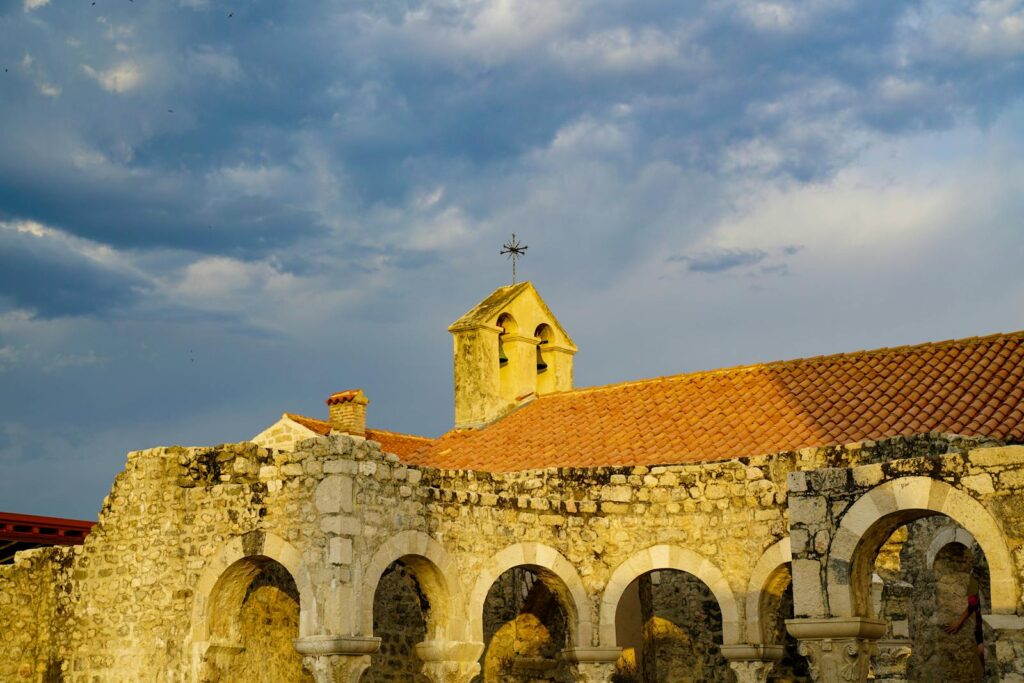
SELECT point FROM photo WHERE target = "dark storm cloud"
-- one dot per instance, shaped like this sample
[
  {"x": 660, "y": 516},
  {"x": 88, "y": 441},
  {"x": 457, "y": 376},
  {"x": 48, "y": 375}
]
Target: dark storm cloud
[{"x": 44, "y": 273}]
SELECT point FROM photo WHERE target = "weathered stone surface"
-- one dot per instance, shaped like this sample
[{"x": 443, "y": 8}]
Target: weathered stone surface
[{"x": 182, "y": 524}]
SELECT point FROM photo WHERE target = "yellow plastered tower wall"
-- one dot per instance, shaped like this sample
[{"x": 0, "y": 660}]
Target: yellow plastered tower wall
[{"x": 508, "y": 350}]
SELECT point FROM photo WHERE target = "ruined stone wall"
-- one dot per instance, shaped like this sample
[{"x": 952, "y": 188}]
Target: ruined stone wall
[
  {"x": 837, "y": 515},
  {"x": 169, "y": 514},
  {"x": 269, "y": 622},
  {"x": 34, "y": 605},
  {"x": 139, "y": 582}
]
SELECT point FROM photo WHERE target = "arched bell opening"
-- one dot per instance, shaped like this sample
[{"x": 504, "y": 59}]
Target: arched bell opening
[
  {"x": 253, "y": 619},
  {"x": 547, "y": 359},
  {"x": 669, "y": 624},
  {"x": 526, "y": 627},
  {"x": 508, "y": 326}
]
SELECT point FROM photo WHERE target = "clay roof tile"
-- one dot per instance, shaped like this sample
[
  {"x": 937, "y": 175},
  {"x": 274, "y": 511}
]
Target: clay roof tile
[{"x": 969, "y": 386}]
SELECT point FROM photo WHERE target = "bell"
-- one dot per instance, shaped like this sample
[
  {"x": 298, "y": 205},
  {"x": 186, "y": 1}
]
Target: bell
[
  {"x": 502, "y": 358},
  {"x": 541, "y": 365}
]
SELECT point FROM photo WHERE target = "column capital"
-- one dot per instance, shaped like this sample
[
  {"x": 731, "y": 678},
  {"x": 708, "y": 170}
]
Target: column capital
[
  {"x": 336, "y": 659},
  {"x": 592, "y": 664},
  {"x": 450, "y": 661},
  {"x": 815, "y": 628},
  {"x": 891, "y": 659},
  {"x": 336, "y": 645},
  {"x": 838, "y": 649},
  {"x": 749, "y": 652},
  {"x": 752, "y": 662}
]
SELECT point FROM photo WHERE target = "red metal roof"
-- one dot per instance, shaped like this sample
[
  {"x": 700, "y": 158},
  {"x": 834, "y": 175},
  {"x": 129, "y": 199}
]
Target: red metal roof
[{"x": 21, "y": 532}]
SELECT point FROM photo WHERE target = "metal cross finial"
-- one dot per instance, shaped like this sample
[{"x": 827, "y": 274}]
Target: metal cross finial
[{"x": 514, "y": 251}]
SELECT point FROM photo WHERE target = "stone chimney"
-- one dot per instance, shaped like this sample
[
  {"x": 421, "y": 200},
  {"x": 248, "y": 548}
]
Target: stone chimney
[{"x": 347, "y": 412}]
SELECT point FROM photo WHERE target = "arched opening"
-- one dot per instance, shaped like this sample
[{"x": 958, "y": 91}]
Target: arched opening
[
  {"x": 669, "y": 625},
  {"x": 525, "y": 626},
  {"x": 924, "y": 586},
  {"x": 401, "y": 613},
  {"x": 546, "y": 373},
  {"x": 776, "y": 605},
  {"x": 253, "y": 614},
  {"x": 508, "y": 326}
]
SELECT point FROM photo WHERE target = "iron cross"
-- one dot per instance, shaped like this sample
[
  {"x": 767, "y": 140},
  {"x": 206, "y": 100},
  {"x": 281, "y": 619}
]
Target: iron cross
[{"x": 514, "y": 250}]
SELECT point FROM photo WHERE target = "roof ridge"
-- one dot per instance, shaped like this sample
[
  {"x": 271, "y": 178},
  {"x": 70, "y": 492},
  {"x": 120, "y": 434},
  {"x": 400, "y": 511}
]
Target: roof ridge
[
  {"x": 402, "y": 434},
  {"x": 905, "y": 348},
  {"x": 369, "y": 429}
]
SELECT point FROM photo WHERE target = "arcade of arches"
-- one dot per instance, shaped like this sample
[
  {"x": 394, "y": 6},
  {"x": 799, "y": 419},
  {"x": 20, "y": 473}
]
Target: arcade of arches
[{"x": 338, "y": 562}]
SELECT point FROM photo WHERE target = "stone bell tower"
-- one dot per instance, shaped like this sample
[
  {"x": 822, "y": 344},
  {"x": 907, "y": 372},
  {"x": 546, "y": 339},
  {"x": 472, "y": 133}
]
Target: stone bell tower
[{"x": 508, "y": 350}]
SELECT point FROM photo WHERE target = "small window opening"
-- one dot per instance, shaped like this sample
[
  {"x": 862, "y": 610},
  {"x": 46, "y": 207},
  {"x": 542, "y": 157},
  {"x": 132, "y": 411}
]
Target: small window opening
[
  {"x": 507, "y": 324},
  {"x": 544, "y": 335}
]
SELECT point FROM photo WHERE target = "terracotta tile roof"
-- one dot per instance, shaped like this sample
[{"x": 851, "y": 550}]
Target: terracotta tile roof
[
  {"x": 969, "y": 387},
  {"x": 318, "y": 426},
  {"x": 347, "y": 396},
  {"x": 400, "y": 444}
]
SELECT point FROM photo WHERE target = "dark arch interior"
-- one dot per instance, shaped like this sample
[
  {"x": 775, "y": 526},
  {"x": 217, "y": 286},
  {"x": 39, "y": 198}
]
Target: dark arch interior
[
  {"x": 400, "y": 615},
  {"x": 670, "y": 627},
  {"x": 526, "y": 626},
  {"x": 254, "y": 612},
  {"x": 918, "y": 600},
  {"x": 777, "y": 606}
]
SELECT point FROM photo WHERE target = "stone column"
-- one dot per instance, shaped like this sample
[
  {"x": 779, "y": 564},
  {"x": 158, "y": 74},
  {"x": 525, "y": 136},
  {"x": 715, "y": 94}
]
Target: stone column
[
  {"x": 838, "y": 649},
  {"x": 752, "y": 663},
  {"x": 890, "y": 661},
  {"x": 592, "y": 664},
  {"x": 450, "y": 661},
  {"x": 336, "y": 659},
  {"x": 1009, "y": 629}
]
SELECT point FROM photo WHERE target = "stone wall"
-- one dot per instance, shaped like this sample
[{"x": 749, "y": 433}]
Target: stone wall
[
  {"x": 182, "y": 530},
  {"x": 35, "y": 601},
  {"x": 841, "y": 518}
]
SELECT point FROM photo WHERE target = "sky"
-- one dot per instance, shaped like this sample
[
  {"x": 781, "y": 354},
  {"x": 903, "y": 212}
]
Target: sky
[{"x": 212, "y": 213}]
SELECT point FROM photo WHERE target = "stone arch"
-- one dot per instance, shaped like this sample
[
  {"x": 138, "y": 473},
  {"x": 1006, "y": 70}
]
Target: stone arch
[
  {"x": 226, "y": 575},
  {"x": 769, "y": 571},
  {"x": 944, "y": 538},
  {"x": 557, "y": 573},
  {"x": 874, "y": 516},
  {"x": 669, "y": 557},
  {"x": 435, "y": 572}
]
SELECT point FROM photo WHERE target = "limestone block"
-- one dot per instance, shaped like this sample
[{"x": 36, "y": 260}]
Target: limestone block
[
  {"x": 868, "y": 475},
  {"x": 1012, "y": 478},
  {"x": 340, "y": 550},
  {"x": 334, "y": 494},
  {"x": 808, "y": 598},
  {"x": 989, "y": 457},
  {"x": 979, "y": 483}
]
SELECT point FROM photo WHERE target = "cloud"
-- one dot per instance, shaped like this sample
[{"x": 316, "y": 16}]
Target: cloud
[
  {"x": 268, "y": 195},
  {"x": 52, "y": 274},
  {"x": 35, "y": 4},
  {"x": 119, "y": 78},
  {"x": 720, "y": 260}
]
